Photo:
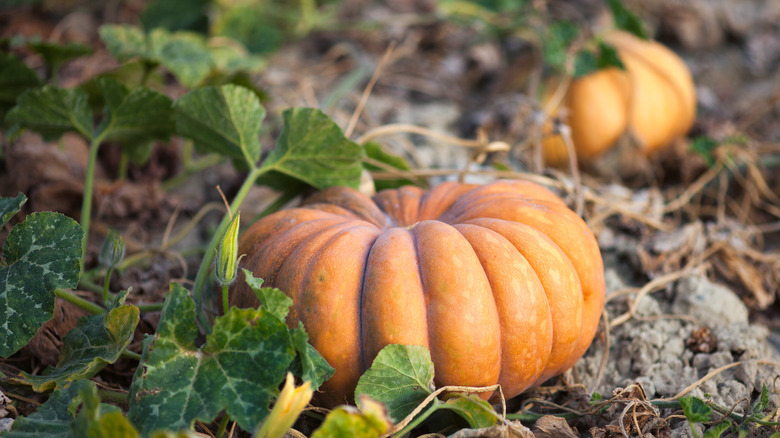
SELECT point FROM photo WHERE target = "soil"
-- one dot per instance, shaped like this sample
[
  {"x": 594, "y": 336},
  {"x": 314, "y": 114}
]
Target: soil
[{"x": 692, "y": 260}]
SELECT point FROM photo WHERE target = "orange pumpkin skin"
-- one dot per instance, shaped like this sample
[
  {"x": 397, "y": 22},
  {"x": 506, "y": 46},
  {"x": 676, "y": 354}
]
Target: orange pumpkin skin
[
  {"x": 501, "y": 282},
  {"x": 654, "y": 99}
]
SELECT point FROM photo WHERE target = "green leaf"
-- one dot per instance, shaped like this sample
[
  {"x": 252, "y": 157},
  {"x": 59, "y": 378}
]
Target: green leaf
[
  {"x": 309, "y": 363},
  {"x": 53, "y": 111},
  {"x": 717, "y": 430},
  {"x": 73, "y": 412},
  {"x": 41, "y": 254},
  {"x": 627, "y": 20},
  {"x": 272, "y": 299},
  {"x": 15, "y": 78},
  {"x": 222, "y": 119},
  {"x": 609, "y": 57},
  {"x": 125, "y": 42},
  {"x": 184, "y": 54},
  {"x": 477, "y": 412},
  {"x": 238, "y": 369},
  {"x": 401, "y": 377},
  {"x": 56, "y": 54},
  {"x": 763, "y": 400},
  {"x": 374, "y": 150},
  {"x": 10, "y": 206},
  {"x": 345, "y": 421},
  {"x": 136, "y": 117},
  {"x": 705, "y": 147},
  {"x": 556, "y": 42},
  {"x": 695, "y": 409},
  {"x": 96, "y": 341},
  {"x": 252, "y": 25},
  {"x": 96, "y": 420},
  {"x": 585, "y": 63},
  {"x": 313, "y": 149},
  {"x": 177, "y": 15}
]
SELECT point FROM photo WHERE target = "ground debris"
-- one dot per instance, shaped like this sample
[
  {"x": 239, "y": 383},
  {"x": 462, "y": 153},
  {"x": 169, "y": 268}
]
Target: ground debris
[
  {"x": 513, "y": 429},
  {"x": 551, "y": 426}
]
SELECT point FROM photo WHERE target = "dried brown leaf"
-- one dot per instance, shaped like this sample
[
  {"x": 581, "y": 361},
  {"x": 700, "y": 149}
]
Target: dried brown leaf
[{"x": 551, "y": 426}]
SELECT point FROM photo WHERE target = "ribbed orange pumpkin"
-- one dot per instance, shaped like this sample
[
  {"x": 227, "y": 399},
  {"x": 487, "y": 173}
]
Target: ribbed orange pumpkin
[
  {"x": 501, "y": 282},
  {"x": 654, "y": 98}
]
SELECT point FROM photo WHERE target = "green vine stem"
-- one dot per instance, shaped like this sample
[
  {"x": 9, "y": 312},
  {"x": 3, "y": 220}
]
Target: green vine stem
[
  {"x": 223, "y": 426},
  {"x": 417, "y": 421},
  {"x": 131, "y": 354},
  {"x": 151, "y": 307},
  {"x": 114, "y": 396},
  {"x": 89, "y": 306},
  {"x": 105, "y": 284},
  {"x": 86, "y": 205},
  {"x": 208, "y": 256},
  {"x": 124, "y": 163},
  {"x": 225, "y": 301}
]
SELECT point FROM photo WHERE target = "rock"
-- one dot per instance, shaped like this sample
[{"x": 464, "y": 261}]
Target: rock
[{"x": 708, "y": 302}]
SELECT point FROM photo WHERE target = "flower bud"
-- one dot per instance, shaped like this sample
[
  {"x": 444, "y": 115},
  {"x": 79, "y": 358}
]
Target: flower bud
[
  {"x": 113, "y": 250},
  {"x": 227, "y": 253}
]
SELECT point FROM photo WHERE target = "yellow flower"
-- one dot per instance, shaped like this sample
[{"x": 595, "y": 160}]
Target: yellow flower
[{"x": 288, "y": 407}]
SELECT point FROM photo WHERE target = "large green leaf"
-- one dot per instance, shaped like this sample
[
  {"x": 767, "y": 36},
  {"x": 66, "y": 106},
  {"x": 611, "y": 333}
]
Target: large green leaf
[
  {"x": 238, "y": 369},
  {"x": 53, "y": 111},
  {"x": 41, "y": 254},
  {"x": 271, "y": 298},
  {"x": 15, "y": 78},
  {"x": 135, "y": 117},
  {"x": 73, "y": 412},
  {"x": 11, "y": 206},
  {"x": 309, "y": 363},
  {"x": 401, "y": 377},
  {"x": 313, "y": 149},
  {"x": 222, "y": 119},
  {"x": 96, "y": 341}
]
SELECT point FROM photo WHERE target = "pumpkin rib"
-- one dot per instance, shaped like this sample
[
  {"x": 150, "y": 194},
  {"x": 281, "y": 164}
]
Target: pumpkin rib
[
  {"x": 401, "y": 205},
  {"x": 280, "y": 222},
  {"x": 393, "y": 300},
  {"x": 334, "y": 282},
  {"x": 560, "y": 282},
  {"x": 462, "y": 316},
  {"x": 354, "y": 201},
  {"x": 522, "y": 305},
  {"x": 434, "y": 203},
  {"x": 273, "y": 252}
]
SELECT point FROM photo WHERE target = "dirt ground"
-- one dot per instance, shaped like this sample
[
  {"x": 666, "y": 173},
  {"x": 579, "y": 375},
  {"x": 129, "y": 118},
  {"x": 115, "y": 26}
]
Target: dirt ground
[{"x": 692, "y": 254}]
